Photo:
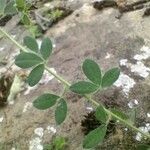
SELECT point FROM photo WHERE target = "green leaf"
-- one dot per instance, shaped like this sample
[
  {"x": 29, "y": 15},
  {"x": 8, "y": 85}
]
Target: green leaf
[
  {"x": 20, "y": 4},
  {"x": 10, "y": 9},
  {"x": 35, "y": 75},
  {"x": 119, "y": 113},
  {"x": 61, "y": 111},
  {"x": 60, "y": 143},
  {"x": 101, "y": 114},
  {"x": 143, "y": 147},
  {"x": 45, "y": 101},
  {"x": 46, "y": 48},
  {"x": 110, "y": 77},
  {"x": 27, "y": 60},
  {"x": 25, "y": 20},
  {"x": 83, "y": 87},
  {"x": 92, "y": 71},
  {"x": 95, "y": 137},
  {"x": 31, "y": 43},
  {"x": 2, "y": 6}
]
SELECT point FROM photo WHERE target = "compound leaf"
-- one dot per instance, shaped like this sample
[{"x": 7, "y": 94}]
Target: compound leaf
[
  {"x": 92, "y": 71},
  {"x": 46, "y": 48},
  {"x": 31, "y": 43},
  {"x": 110, "y": 77},
  {"x": 83, "y": 87},
  {"x": 35, "y": 75},
  {"x": 95, "y": 137},
  {"x": 61, "y": 111},
  {"x": 45, "y": 101},
  {"x": 27, "y": 60}
]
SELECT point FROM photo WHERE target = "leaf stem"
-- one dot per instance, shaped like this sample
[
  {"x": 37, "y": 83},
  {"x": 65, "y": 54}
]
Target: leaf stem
[
  {"x": 14, "y": 41},
  {"x": 88, "y": 97},
  {"x": 58, "y": 77}
]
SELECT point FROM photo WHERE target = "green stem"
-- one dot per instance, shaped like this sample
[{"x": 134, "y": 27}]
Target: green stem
[
  {"x": 127, "y": 123},
  {"x": 12, "y": 39},
  {"x": 19, "y": 45},
  {"x": 86, "y": 96},
  {"x": 58, "y": 77}
]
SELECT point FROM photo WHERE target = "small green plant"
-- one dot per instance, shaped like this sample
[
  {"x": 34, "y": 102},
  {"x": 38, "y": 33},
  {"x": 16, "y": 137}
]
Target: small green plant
[
  {"x": 59, "y": 143},
  {"x": 31, "y": 56},
  {"x": 53, "y": 14},
  {"x": 56, "y": 14},
  {"x": 22, "y": 8},
  {"x": 15, "y": 6}
]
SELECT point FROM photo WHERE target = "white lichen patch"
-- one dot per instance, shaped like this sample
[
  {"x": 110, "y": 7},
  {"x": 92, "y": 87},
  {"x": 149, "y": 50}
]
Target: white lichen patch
[
  {"x": 39, "y": 132},
  {"x": 148, "y": 115},
  {"x": 51, "y": 129},
  {"x": 108, "y": 55},
  {"x": 144, "y": 55},
  {"x": 27, "y": 106},
  {"x": 1, "y": 49},
  {"x": 125, "y": 82},
  {"x": 126, "y": 129},
  {"x": 133, "y": 103},
  {"x": 145, "y": 129},
  {"x": 123, "y": 62},
  {"x": 1, "y": 119},
  {"x": 35, "y": 144},
  {"x": 89, "y": 109},
  {"x": 140, "y": 69}
]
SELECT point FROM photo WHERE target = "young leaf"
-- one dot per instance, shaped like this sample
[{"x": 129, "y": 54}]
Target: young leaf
[
  {"x": 46, "y": 48},
  {"x": 95, "y": 137},
  {"x": 10, "y": 8},
  {"x": 143, "y": 147},
  {"x": 31, "y": 43},
  {"x": 2, "y": 6},
  {"x": 119, "y": 113},
  {"x": 27, "y": 60},
  {"x": 35, "y": 75},
  {"x": 61, "y": 111},
  {"x": 92, "y": 71},
  {"x": 26, "y": 20},
  {"x": 83, "y": 87},
  {"x": 110, "y": 77},
  {"x": 20, "y": 4},
  {"x": 101, "y": 115},
  {"x": 45, "y": 101}
]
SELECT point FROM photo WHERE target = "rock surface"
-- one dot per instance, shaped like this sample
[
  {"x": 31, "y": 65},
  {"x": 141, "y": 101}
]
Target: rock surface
[{"x": 86, "y": 33}]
